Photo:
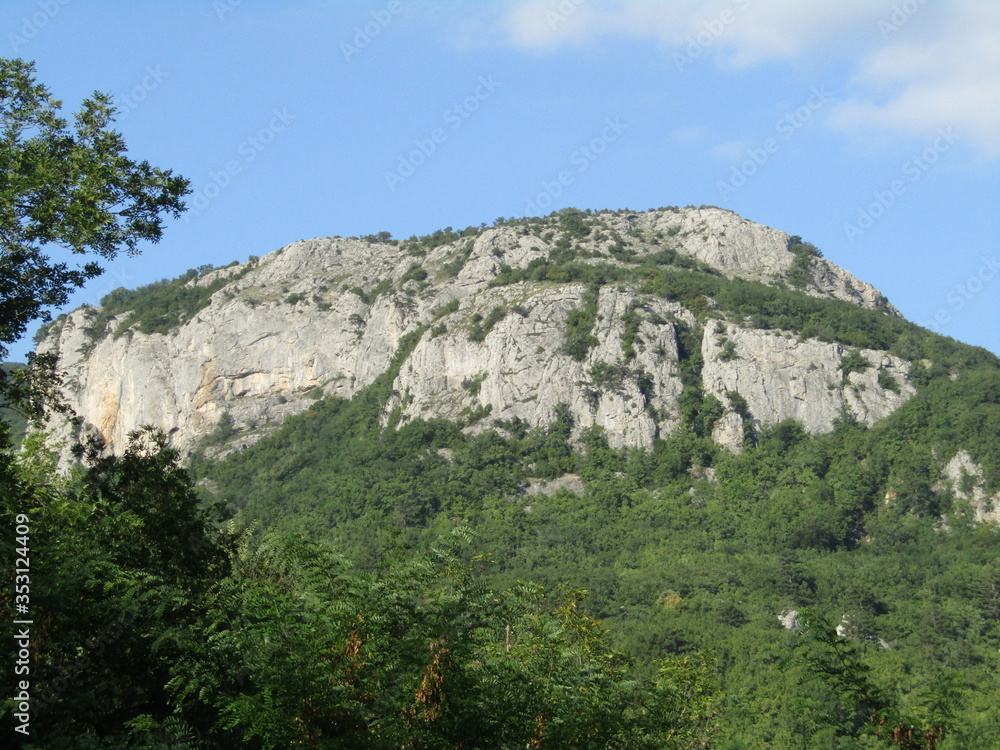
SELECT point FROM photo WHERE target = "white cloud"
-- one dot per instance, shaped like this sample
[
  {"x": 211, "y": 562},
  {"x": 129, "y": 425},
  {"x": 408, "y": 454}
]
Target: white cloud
[
  {"x": 917, "y": 66},
  {"x": 946, "y": 78},
  {"x": 749, "y": 31}
]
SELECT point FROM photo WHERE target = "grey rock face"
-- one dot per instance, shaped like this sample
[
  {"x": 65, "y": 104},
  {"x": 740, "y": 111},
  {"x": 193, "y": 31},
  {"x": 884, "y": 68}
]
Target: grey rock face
[
  {"x": 967, "y": 482},
  {"x": 781, "y": 377},
  {"x": 325, "y": 317},
  {"x": 743, "y": 249},
  {"x": 520, "y": 371},
  {"x": 789, "y": 619}
]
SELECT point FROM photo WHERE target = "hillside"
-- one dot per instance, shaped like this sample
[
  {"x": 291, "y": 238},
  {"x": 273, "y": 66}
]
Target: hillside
[
  {"x": 698, "y": 420},
  {"x": 605, "y": 312}
]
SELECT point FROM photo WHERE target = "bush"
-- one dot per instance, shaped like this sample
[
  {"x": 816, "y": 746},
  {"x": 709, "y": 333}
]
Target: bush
[
  {"x": 160, "y": 307},
  {"x": 853, "y": 361},
  {"x": 415, "y": 273},
  {"x": 481, "y": 327},
  {"x": 800, "y": 272},
  {"x": 446, "y": 309},
  {"x": 579, "y": 324}
]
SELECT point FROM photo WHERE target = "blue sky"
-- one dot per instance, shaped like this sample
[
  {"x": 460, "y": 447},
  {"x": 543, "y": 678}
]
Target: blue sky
[{"x": 871, "y": 129}]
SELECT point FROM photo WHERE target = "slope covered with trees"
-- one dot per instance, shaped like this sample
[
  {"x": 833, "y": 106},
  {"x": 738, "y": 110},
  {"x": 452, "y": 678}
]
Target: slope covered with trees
[
  {"x": 158, "y": 626},
  {"x": 689, "y": 547}
]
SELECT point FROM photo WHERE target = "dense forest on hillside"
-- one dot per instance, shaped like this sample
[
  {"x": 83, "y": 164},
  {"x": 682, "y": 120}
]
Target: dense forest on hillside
[
  {"x": 689, "y": 547},
  {"x": 393, "y": 584},
  {"x": 158, "y": 625}
]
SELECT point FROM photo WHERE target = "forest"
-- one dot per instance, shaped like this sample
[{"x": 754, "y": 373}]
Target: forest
[
  {"x": 688, "y": 548},
  {"x": 395, "y": 587}
]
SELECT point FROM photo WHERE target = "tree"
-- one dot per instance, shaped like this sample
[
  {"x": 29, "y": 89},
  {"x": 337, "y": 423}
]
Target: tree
[
  {"x": 120, "y": 554},
  {"x": 65, "y": 190},
  {"x": 68, "y": 189},
  {"x": 419, "y": 653},
  {"x": 867, "y": 712}
]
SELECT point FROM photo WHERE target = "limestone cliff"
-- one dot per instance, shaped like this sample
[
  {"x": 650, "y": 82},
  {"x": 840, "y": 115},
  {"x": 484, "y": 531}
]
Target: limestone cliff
[
  {"x": 497, "y": 310},
  {"x": 779, "y": 377},
  {"x": 966, "y": 480}
]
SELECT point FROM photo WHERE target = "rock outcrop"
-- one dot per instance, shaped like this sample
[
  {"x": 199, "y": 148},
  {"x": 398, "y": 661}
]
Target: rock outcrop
[
  {"x": 521, "y": 371},
  {"x": 326, "y": 317},
  {"x": 966, "y": 480},
  {"x": 779, "y": 377}
]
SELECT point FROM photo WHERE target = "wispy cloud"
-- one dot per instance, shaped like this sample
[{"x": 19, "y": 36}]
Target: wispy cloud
[
  {"x": 925, "y": 79},
  {"x": 753, "y": 31},
  {"x": 916, "y": 66}
]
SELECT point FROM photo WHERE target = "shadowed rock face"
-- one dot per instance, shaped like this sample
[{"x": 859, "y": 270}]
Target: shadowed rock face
[{"x": 312, "y": 319}]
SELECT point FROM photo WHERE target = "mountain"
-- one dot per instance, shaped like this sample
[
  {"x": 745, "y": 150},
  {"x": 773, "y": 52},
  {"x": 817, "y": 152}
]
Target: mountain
[
  {"x": 595, "y": 310},
  {"x": 696, "y": 419}
]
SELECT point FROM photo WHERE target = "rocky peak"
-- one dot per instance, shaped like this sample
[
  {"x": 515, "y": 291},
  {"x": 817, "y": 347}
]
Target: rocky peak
[{"x": 587, "y": 309}]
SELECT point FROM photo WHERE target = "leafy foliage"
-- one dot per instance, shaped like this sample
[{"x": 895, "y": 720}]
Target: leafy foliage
[
  {"x": 438, "y": 238},
  {"x": 579, "y": 324},
  {"x": 369, "y": 297},
  {"x": 119, "y": 554},
  {"x": 446, "y": 309},
  {"x": 800, "y": 272},
  {"x": 853, "y": 361},
  {"x": 872, "y": 712},
  {"x": 572, "y": 223},
  {"x": 481, "y": 326},
  {"x": 454, "y": 267},
  {"x": 160, "y": 307},
  {"x": 11, "y": 419},
  {"x": 71, "y": 188},
  {"x": 887, "y": 381},
  {"x": 155, "y": 625},
  {"x": 414, "y": 273}
]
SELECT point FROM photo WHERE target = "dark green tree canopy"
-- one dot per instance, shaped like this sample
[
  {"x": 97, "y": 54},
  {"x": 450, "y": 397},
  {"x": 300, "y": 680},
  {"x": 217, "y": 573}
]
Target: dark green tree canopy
[{"x": 65, "y": 188}]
